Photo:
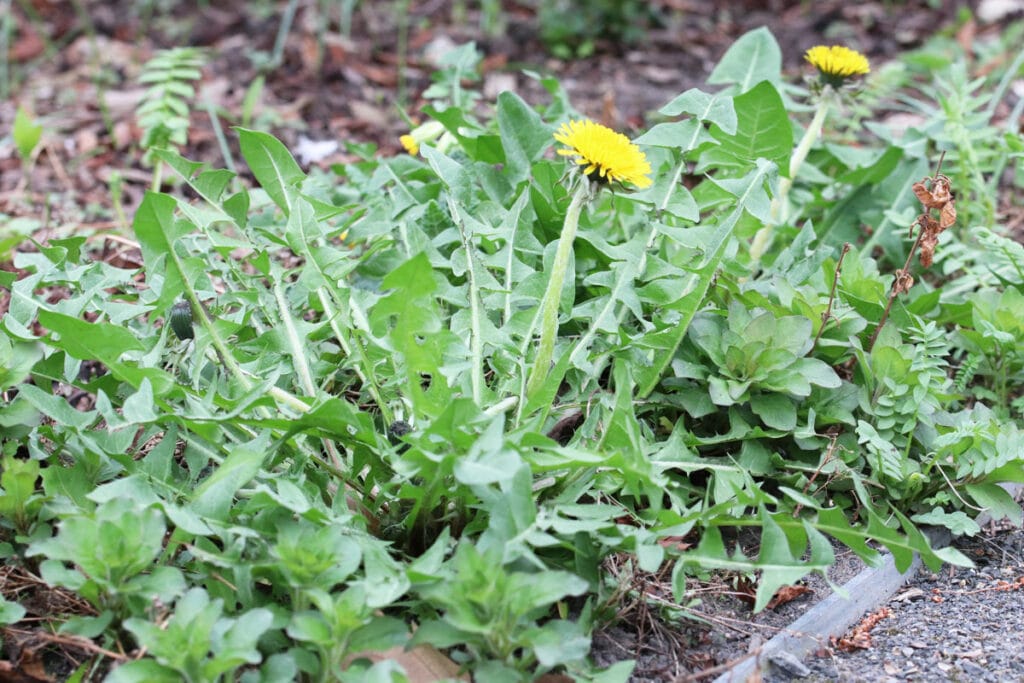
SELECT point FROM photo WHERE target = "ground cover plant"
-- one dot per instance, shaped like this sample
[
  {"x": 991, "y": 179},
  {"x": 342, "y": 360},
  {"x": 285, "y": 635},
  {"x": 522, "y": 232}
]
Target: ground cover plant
[{"x": 422, "y": 400}]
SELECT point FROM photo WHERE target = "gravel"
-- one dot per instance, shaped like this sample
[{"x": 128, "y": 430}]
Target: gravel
[{"x": 953, "y": 625}]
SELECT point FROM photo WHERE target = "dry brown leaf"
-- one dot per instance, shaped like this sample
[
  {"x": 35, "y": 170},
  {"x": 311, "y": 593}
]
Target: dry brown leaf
[
  {"x": 787, "y": 594},
  {"x": 929, "y": 240},
  {"x": 904, "y": 281},
  {"x": 947, "y": 214},
  {"x": 924, "y": 196},
  {"x": 422, "y": 664}
]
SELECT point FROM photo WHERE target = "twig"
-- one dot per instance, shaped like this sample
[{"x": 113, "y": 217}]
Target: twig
[
  {"x": 827, "y": 315},
  {"x": 895, "y": 289},
  {"x": 77, "y": 642}
]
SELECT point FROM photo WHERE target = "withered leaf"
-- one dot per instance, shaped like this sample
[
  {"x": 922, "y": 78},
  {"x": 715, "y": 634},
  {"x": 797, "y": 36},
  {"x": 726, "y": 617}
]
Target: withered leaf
[
  {"x": 904, "y": 281},
  {"x": 787, "y": 594},
  {"x": 924, "y": 196},
  {"x": 929, "y": 240},
  {"x": 947, "y": 214}
]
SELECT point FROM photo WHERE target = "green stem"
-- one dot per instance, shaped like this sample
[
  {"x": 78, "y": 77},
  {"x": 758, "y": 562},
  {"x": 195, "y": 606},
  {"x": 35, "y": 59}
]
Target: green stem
[
  {"x": 780, "y": 203},
  {"x": 553, "y": 294},
  {"x": 476, "y": 344}
]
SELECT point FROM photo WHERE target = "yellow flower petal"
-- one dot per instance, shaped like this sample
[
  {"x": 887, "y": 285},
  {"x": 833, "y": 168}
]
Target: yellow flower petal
[
  {"x": 611, "y": 155},
  {"x": 837, "y": 63}
]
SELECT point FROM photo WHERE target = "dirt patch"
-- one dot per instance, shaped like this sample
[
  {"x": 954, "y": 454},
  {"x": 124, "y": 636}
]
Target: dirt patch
[
  {"x": 80, "y": 77},
  {"x": 711, "y": 629}
]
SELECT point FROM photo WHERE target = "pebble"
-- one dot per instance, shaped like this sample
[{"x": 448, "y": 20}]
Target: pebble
[
  {"x": 975, "y": 633},
  {"x": 789, "y": 664}
]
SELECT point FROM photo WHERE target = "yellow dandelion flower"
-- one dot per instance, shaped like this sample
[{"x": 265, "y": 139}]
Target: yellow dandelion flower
[
  {"x": 410, "y": 144},
  {"x": 604, "y": 154},
  {"x": 428, "y": 132},
  {"x": 837, "y": 63}
]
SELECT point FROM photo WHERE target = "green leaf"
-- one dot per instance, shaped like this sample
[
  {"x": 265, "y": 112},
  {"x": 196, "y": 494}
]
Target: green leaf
[
  {"x": 10, "y": 612},
  {"x": 763, "y": 130},
  {"x": 272, "y": 164},
  {"x": 685, "y": 136},
  {"x": 778, "y": 564},
  {"x": 409, "y": 317},
  {"x": 523, "y": 135},
  {"x": 106, "y": 343},
  {"x": 715, "y": 108},
  {"x": 16, "y": 361},
  {"x": 143, "y": 671},
  {"x": 663, "y": 343},
  {"x": 26, "y": 133},
  {"x": 776, "y": 410},
  {"x": 214, "y": 497},
  {"x": 753, "y": 58},
  {"x": 90, "y": 341},
  {"x": 157, "y": 231},
  {"x": 997, "y": 501},
  {"x": 957, "y": 521}
]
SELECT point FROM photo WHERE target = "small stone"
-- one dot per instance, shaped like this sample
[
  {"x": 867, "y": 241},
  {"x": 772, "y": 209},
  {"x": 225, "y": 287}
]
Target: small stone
[
  {"x": 788, "y": 664},
  {"x": 919, "y": 645},
  {"x": 970, "y": 668},
  {"x": 908, "y": 652}
]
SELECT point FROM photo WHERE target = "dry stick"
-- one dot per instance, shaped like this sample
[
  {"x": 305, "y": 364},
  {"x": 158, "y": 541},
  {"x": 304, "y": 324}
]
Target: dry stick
[
  {"x": 894, "y": 291},
  {"x": 827, "y": 315},
  {"x": 78, "y": 642}
]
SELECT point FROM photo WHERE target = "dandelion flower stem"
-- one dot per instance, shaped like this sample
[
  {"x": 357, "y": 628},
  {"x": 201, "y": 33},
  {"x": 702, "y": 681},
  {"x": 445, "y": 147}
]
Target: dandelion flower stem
[
  {"x": 553, "y": 293},
  {"x": 780, "y": 203}
]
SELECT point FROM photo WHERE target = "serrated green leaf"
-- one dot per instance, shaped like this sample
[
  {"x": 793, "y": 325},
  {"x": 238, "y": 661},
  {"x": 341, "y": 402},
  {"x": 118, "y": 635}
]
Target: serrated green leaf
[
  {"x": 714, "y": 108},
  {"x": 763, "y": 130}
]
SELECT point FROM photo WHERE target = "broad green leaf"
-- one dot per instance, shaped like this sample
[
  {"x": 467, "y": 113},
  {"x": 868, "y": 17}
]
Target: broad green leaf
[
  {"x": 272, "y": 164},
  {"x": 523, "y": 135},
  {"x": 996, "y": 500},
  {"x": 214, "y": 497},
  {"x": 753, "y": 58},
  {"x": 763, "y": 130},
  {"x": 780, "y": 566},
  {"x": 143, "y": 671},
  {"x": 409, "y": 317},
  {"x": 90, "y": 341},
  {"x": 157, "y": 231},
  {"x": 16, "y": 360},
  {"x": 686, "y": 135},
  {"x": 776, "y": 410},
  {"x": 481, "y": 147},
  {"x": 106, "y": 343}
]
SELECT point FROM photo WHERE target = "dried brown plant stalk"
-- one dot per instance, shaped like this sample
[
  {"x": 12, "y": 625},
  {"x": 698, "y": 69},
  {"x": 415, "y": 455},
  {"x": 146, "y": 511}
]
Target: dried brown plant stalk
[{"x": 935, "y": 194}]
